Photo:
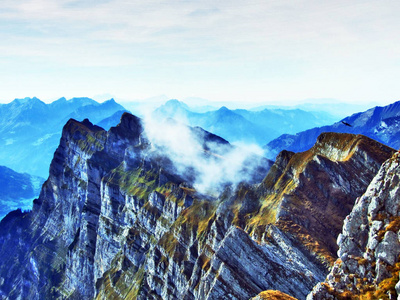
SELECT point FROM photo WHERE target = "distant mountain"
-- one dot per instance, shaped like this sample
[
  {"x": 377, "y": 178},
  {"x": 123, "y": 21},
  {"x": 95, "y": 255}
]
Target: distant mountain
[
  {"x": 30, "y": 129},
  {"x": 17, "y": 190},
  {"x": 331, "y": 108},
  {"x": 242, "y": 125},
  {"x": 112, "y": 120},
  {"x": 379, "y": 123},
  {"x": 285, "y": 121}
]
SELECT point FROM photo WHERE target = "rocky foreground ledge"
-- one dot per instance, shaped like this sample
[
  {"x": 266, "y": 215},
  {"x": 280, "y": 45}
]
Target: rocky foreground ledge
[{"x": 368, "y": 266}]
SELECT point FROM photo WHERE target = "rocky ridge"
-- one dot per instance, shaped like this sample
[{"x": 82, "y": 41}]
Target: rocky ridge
[
  {"x": 368, "y": 265},
  {"x": 310, "y": 193},
  {"x": 113, "y": 222}
]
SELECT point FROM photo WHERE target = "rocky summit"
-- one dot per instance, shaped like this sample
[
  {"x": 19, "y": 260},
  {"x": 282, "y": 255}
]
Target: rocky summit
[{"x": 117, "y": 220}]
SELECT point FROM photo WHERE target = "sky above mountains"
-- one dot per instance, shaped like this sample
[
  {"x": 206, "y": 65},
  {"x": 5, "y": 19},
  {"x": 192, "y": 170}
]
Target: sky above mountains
[{"x": 254, "y": 51}]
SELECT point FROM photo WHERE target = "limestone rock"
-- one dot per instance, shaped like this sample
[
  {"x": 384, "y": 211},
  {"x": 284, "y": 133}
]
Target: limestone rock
[{"x": 369, "y": 245}]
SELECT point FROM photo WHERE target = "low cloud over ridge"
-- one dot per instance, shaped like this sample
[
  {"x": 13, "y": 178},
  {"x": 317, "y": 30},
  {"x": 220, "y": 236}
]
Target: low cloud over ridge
[{"x": 209, "y": 160}]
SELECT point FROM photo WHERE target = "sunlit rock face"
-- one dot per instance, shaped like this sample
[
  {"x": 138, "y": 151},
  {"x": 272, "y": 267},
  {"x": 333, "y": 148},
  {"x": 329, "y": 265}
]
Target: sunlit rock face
[
  {"x": 369, "y": 247},
  {"x": 310, "y": 193},
  {"x": 119, "y": 219}
]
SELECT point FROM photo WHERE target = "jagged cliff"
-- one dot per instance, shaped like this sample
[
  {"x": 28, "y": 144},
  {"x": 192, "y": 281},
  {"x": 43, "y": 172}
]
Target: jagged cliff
[
  {"x": 115, "y": 220},
  {"x": 368, "y": 266}
]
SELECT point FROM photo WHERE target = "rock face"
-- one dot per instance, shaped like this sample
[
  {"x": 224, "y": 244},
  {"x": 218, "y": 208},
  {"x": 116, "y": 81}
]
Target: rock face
[
  {"x": 311, "y": 192},
  {"x": 273, "y": 295},
  {"x": 369, "y": 246},
  {"x": 114, "y": 221}
]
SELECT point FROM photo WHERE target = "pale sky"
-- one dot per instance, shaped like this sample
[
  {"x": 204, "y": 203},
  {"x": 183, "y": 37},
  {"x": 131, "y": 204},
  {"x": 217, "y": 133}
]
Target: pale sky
[{"x": 255, "y": 51}]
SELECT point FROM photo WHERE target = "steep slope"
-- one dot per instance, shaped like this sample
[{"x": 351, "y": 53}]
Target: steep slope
[
  {"x": 368, "y": 266},
  {"x": 117, "y": 220},
  {"x": 379, "y": 123},
  {"x": 30, "y": 130},
  {"x": 310, "y": 193},
  {"x": 17, "y": 190}
]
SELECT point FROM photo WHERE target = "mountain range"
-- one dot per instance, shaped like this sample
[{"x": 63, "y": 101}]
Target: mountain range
[
  {"x": 30, "y": 129},
  {"x": 157, "y": 209},
  {"x": 17, "y": 190},
  {"x": 120, "y": 217},
  {"x": 244, "y": 126},
  {"x": 379, "y": 123}
]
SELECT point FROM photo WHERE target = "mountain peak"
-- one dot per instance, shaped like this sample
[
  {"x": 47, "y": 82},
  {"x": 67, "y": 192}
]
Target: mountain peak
[
  {"x": 224, "y": 109},
  {"x": 28, "y": 100},
  {"x": 82, "y": 101},
  {"x": 130, "y": 127},
  {"x": 340, "y": 146},
  {"x": 72, "y": 125},
  {"x": 174, "y": 103}
]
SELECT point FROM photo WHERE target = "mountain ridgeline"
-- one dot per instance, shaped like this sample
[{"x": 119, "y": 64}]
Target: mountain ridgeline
[
  {"x": 118, "y": 219},
  {"x": 30, "y": 129},
  {"x": 379, "y": 123},
  {"x": 245, "y": 126}
]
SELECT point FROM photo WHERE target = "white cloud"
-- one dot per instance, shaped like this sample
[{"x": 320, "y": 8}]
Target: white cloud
[{"x": 212, "y": 169}]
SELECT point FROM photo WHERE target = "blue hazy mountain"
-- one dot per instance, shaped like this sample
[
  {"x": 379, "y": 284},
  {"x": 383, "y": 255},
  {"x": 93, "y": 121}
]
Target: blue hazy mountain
[
  {"x": 242, "y": 125},
  {"x": 17, "y": 190},
  {"x": 379, "y": 123},
  {"x": 30, "y": 129},
  {"x": 112, "y": 120},
  {"x": 326, "y": 108}
]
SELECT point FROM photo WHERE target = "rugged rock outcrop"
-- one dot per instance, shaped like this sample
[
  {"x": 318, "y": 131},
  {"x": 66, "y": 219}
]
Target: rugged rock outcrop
[
  {"x": 310, "y": 193},
  {"x": 115, "y": 220},
  {"x": 368, "y": 265},
  {"x": 273, "y": 295}
]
